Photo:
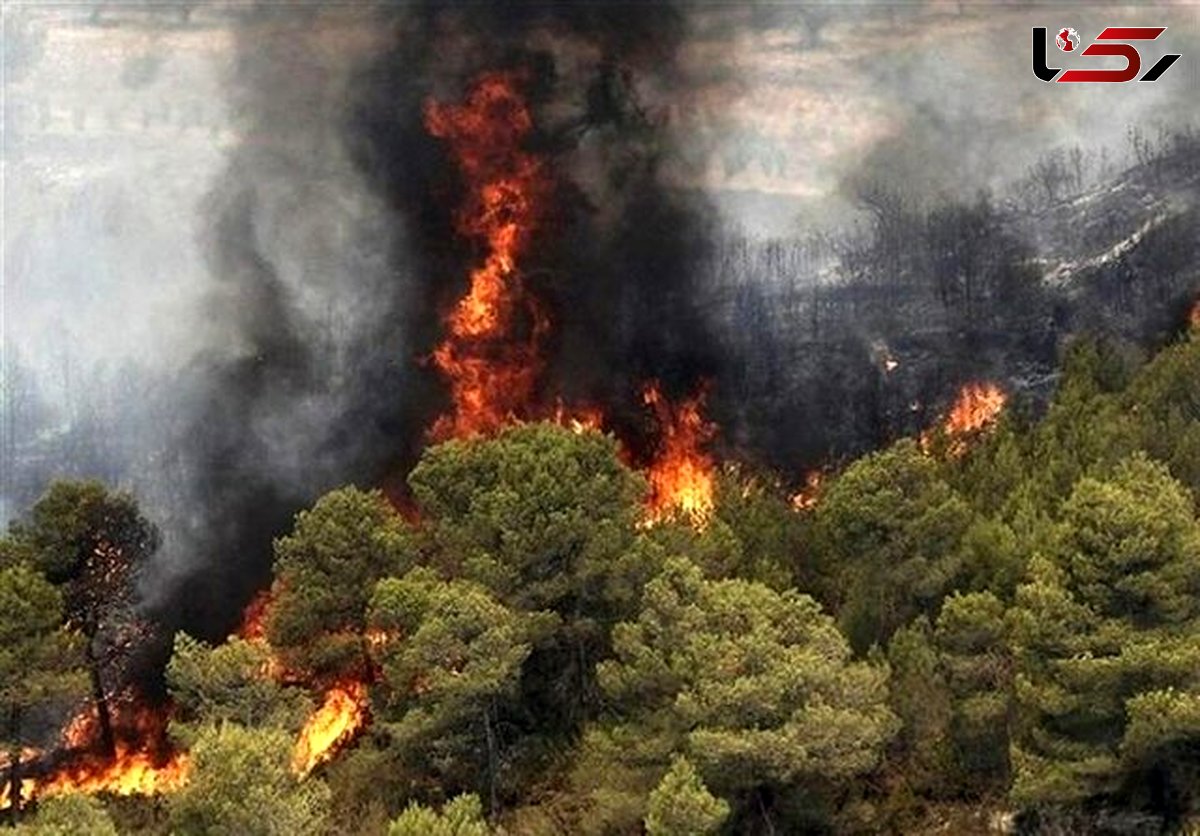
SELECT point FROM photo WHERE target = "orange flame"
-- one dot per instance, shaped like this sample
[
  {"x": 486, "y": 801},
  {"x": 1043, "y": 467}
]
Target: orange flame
[
  {"x": 254, "y": 617},
  {"x": 28, "y": 790},
  {"x": 1194, "y": 316},
  {"x": 254, "y": 629},
  {"x": 977, "y": 407},
  {"x": 342, "y": 713},
  {"x": 128, "y": 773},
  {"x": 682, "y": 475},
  {"x": 83, "y": 728},
  {"x": 490, "y": 367},
  {"x": 146, "y": 767},
  {"x": 806, "y": 498},
  {"x": 340, "y": 717}
]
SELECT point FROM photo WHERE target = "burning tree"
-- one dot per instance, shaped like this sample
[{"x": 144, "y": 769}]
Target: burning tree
[
  {"x": 91, "y": 543},
  {"x": 491, "y": 354},
  {"x": 531, "y": 527},
  {"x": 315, "y": 618},
  {"x": 233, "y": 682},
  {"x": 976, "y": 409},
  {"x": 40, "y": 664},
  {"x": 325, "y": 570}
]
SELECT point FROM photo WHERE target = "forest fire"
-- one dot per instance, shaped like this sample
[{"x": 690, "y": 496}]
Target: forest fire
[
  {"x": 130, "y": 772},
  {"x": 491, "y": 359},
  {"x": 341, "y": 716},
  {"x": 490, "y": 355},
  {"x": 977, "y": 407},
  {"x": 142, "y": 763},
  {"x": 681, "y": 476},
  {"x": 568, "y": 416}
]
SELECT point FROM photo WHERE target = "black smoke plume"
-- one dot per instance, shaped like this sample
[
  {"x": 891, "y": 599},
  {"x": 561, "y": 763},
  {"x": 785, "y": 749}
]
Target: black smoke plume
[{"x": 324, "y": 382}]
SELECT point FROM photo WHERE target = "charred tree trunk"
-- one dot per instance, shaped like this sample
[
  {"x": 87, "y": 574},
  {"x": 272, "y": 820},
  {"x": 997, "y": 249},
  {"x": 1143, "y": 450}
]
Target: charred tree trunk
[{"x": 107, "y": 740}]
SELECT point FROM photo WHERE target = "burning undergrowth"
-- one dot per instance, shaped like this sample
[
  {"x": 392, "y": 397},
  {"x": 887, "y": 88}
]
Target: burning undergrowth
[{"x": 140, "y": 761}]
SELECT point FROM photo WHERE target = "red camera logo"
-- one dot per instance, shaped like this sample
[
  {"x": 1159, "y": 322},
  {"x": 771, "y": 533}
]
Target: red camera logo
[{"x": 1113, "y": 41}]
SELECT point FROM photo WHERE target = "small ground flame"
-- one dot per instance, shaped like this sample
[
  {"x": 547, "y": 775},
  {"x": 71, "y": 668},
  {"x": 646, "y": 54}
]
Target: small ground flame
[
  {"x": 977, "y": 407},
  {"x": 129, "y": 773},
  {"x": 681, "y": 476},
  {"x": 805, "y": 499},
  {"x": 340, "y": 717},
  {"x": 579, "y": 419},
  {"x": 490, "y": 357}
]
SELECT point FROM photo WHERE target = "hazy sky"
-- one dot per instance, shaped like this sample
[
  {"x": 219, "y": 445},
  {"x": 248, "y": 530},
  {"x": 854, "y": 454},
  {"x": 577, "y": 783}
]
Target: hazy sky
[{"x": 117, "y": 121}]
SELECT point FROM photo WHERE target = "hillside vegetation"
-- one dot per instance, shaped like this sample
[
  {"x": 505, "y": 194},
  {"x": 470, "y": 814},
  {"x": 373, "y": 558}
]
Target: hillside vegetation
[{"x": 1001, "y": 636}]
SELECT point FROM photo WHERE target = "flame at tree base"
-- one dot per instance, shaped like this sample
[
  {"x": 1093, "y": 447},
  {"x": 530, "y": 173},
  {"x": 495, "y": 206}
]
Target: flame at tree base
[
  {"x": 129, "y": 772},
  {"x": 143, "y": 761}
]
